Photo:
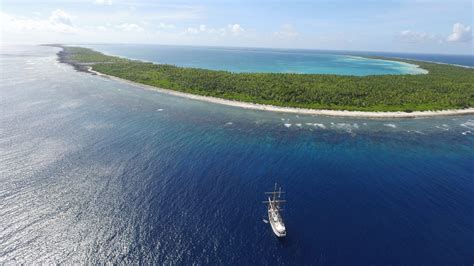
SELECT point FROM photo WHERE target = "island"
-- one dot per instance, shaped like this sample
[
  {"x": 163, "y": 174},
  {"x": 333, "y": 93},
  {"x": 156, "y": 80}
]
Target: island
[{"x": 444, "y": 89}]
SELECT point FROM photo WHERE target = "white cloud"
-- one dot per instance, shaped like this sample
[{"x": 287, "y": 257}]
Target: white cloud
[
  {"x": 201, "y": 29},
  {"x": 460, "y": 33},
  {"x": 415, "y": 37},
  {"x": 10, "y": 23},
  {"x": 235, "y": 29},
  {"x": 101, "y": 28},
  {"x": 192, "y": 30},
  {"x": 165, "y": 26},
  {"x": 103, "y": 2},
  {"x": 59, "y": 22},
  {"x": 287, "y": 31},
  {"x": 204, "y": 29},
  {"x": 60, "y": 17},
  {"x": 130, "y": 27}
]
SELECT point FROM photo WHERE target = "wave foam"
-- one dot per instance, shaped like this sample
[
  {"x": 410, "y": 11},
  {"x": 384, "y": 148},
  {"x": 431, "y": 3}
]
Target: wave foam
[
  {"x": 468, "y": 124},
  {"x": 443, "y": 127},
  {"x": 319, "y": 125},
  {"x": 345, "y": 126}
]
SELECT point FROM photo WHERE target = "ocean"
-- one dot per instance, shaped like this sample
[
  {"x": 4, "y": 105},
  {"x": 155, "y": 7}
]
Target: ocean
[{"x": 93, "y": 171}]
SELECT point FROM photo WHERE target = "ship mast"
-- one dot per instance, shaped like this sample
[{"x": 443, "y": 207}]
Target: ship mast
[{"x": 274, "y": 198}]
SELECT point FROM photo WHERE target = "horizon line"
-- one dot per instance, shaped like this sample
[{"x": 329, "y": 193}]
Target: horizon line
[{"x": 245, "y": 47}]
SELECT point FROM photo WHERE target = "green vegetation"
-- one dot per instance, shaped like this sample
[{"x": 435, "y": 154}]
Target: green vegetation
[
  {"x": 444, "y": 87},
  {"x": 85, "y": 55}
]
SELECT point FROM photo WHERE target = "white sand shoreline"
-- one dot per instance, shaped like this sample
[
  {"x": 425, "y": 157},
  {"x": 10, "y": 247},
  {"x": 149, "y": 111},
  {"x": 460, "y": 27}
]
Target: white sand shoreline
[{"x": 294, "y": 110}]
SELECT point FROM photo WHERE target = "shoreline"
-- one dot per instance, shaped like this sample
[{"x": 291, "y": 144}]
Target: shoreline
[{"x": 280, "y": 109}]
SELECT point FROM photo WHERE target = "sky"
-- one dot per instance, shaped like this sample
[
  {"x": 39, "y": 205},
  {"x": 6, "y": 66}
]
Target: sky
[{"x": 417, "y": 26}]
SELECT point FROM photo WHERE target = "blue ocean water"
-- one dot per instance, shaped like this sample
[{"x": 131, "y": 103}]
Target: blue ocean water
[
  {"x": 94, "y": 171},
  {"x": 259, "y": 60}
]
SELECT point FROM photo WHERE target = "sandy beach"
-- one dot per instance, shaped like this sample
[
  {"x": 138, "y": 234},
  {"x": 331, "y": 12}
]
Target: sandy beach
[{"x": 271, "y": 108}]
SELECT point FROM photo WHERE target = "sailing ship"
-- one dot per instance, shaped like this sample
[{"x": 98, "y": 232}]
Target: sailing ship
[{"x": 274, "y": 208}]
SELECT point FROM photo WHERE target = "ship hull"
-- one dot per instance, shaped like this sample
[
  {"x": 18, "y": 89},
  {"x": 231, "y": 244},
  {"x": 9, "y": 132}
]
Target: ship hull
[{"x": 274, "y": 227}]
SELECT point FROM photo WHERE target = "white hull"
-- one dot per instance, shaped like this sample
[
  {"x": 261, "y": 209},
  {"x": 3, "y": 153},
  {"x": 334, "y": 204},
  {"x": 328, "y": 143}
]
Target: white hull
[{"x": 278, "y": 227}]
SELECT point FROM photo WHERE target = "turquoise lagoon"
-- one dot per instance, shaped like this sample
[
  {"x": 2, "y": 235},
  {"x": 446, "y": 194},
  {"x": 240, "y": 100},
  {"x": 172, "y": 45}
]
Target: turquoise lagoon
[{"x": 260, "y": 60}]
